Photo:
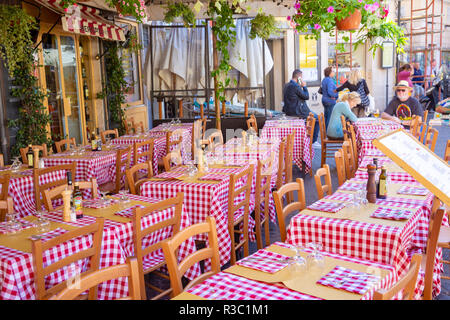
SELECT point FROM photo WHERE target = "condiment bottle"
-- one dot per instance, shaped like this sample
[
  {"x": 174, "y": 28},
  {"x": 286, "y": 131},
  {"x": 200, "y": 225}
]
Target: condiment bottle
[
  {"x": 66, "y": 194},
  {"x": 371, "y": 184}
]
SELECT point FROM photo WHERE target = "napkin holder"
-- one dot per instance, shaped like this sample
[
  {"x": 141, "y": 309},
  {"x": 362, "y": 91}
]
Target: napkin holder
[{"x": 66, "y": 195}]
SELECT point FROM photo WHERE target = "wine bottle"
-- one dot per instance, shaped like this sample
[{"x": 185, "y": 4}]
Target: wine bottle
[
  {"x": 77, "y": 201},
  {"x": 382, "y": 187},
  {"x": 69, "y": 178},
  {"x": 30, "y": 156},
  {"x": 93, "y": 142}
]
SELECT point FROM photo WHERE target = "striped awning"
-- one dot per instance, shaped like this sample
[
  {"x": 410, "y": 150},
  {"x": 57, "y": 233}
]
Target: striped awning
[{"x": 85, "y": 20}]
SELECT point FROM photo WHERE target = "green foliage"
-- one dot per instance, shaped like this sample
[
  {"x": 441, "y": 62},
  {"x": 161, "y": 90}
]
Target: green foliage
[
  {"x": 179, "y": 9},
  {"x": 15, "y": 36},
  {"x": 263, "y": 26},
  {"x": 115, "y": 86}
]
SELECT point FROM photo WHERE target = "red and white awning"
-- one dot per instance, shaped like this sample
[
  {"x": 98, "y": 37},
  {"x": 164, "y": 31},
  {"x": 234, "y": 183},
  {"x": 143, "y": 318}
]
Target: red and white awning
[{"x": 85, "y": 20}]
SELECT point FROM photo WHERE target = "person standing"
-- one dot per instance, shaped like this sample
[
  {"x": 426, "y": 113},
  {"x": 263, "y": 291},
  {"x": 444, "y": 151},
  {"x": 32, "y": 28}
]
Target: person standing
[
  {"x": 295, "y": 94},
  {"x": 343, "y": 108},
  {"x": 329, "y": 93},
  {"x": 356, "y": 83},
  {"x": 405, "y": 73},
  {"x": 432, "y": 71}
]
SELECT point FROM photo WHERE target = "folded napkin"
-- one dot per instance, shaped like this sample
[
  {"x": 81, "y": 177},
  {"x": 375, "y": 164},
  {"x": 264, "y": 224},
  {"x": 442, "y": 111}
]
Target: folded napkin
[
  {"x": 340, "y": 196},
  {"x": 326, "y": 206},
  {"x": 224, "y": 170},
  {"x": 98, "y": 203},
  {"x": 128, "y": 213},
  {"x": 391, "y": 214},
  {"x": 352, "y": 186},
  {"x": 213, "y": 176},
  {"x": 265, "y": 261},
  {"x": 349, "y": 280},
  {"x": 49, "y": 235},
  {"x": 415, "y": 191},
  {"x": 25, "y": 225},
  {"x": 171, "y": 175}
]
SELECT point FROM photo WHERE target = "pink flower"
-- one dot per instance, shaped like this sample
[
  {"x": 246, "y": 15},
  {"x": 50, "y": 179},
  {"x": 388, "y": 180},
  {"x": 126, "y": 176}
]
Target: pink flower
[
  {"x": 310, "y": 14},
  {"x": 66, "y": 9},
  {"x": 367, "y": 7},
  {"x": 288, "y": 18},
  {"x": 376, "y": 5},
  {"x": 330, "y": 9},
  {"x": 360, "y": 1},
  {"x": 317, "y": 26},
  {"x": 297, "y": 5}
]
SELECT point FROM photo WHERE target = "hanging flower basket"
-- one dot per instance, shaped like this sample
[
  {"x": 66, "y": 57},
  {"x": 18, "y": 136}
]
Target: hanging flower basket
[{"x": 352, "y": 22}]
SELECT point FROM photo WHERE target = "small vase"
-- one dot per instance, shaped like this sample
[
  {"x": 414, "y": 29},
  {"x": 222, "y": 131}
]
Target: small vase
[{"x": 351, "y": 22}]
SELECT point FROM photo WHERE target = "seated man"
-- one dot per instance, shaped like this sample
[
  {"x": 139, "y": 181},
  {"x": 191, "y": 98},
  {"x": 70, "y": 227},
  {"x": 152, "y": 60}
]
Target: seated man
[
  {"x": 403, "y": 106},
  {"x": 443, "y": 106}
]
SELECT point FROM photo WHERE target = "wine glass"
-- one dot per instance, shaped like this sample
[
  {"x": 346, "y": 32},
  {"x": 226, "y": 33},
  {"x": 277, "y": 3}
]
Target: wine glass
[
  {"x": 124, "y": 196},
  {"x": 376, "y": 113},
  {"x": 15, "y": 167},
  {"x": 297, "y": 263},
  {"x": 367, "y": 111},
  {"x": 41, "y": 224},
  {"x": 12, "y": 225},
  {"x": 315, "y": 261}
]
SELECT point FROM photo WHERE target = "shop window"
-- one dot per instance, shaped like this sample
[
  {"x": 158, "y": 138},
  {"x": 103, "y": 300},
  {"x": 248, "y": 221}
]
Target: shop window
[{"x": 308, "y": 59}]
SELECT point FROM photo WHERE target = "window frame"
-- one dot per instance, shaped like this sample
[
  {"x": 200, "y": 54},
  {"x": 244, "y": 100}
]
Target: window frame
[{"x": 319, "y": 58}]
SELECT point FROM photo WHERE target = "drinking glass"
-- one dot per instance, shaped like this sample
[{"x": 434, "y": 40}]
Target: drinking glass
[
  {"x": 124, "y": 196},
  {"x": 315, "y": 261},
  {"x": 367, "y": 111},
  {"x": 12, "y": 225},
  {"x": 376, "y": 113},
  {"x": 363, "y": 196},
  {"x": 16, "y": 165},
  {"x": 41, "y": 224},
  {"x": 297, "y": 264},
  {"x": 103, "y": 198}
]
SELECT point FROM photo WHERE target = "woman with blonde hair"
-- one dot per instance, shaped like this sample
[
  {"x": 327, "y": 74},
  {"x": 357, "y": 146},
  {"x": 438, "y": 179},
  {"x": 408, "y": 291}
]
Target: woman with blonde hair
[
  {"x": 343, "y": 107},
  {"x": 356, "y": 83}
]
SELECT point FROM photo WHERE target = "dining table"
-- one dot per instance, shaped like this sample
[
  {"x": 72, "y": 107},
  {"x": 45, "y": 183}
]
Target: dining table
[
  {"x": 281, "y": 128},
  {"x": 16, "y": 267},
  {"x": 273, "y": 273}
]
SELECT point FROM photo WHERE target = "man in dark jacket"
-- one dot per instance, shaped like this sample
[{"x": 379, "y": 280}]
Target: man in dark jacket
[{"x": 295, "y": 94}]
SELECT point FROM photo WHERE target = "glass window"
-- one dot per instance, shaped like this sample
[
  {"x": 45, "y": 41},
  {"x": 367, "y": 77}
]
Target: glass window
[{"x": 308, "y": 58}]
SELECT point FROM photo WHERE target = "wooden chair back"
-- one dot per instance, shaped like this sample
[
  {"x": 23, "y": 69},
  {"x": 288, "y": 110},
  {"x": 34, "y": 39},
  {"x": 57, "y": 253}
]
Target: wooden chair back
[
  {"x": 128, "y": 127},
  {"x": 344, "y": 127},
  {"x": 211, "y": 251},
  {"x": 252, "y": 124},
  {"x": 425, "y": 116},
  {"x": 196, "y": 136},
  {"x": 6, "y": 207},
  {"x": 415, "y": 124},
  {"x": 143, "y": 149},
  {"x": 142, "y": 248},
  {"x": 92, "y": 185},
  {"x": 23, "y": 152},
  {"x": 2, "y": 160},
  {"x": 289, "y": 156},
  {"x": 406, "y": 284},
  {"x": 137, "y": 126},
  {"x": 281, "y": 164},
  {"x": 173, "y": 157},
  {"x": 423, "y": 128},
  {"x": 447, "y": 152},
  {"x": 215, "y": 140},
  {"x": 326, "y": 187},
  {"x": 104, "y": 134},
  {"x": 123, "y": 160},
  {"x": 65, "y": 142},
  {"x": 350, "y": 166},
  {"x": 233, "y": 220},
  {"x": 340, "y": 166},
  {"x": 262, "y": 196},
  {"x": 174, "y": 139},
  {"x": 322, "y": 128},
  {"x": 351, "y": 129},
  {"x": 39, "y": 248},
  {"x": 53, "y": 188},
  {"x": 133, "y": 181},
  {"x": 434, "y": 228},
  {"x": 310, "y": 125},
  {"x": 431, "y": 138},
  {"x": 284, "y": 211},
  {"x": 130, "y": 270}
]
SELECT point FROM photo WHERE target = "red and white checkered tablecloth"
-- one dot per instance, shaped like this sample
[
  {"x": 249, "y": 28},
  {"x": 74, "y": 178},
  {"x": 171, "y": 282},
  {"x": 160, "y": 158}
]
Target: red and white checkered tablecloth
[
  {"x": 16, "y": 267},
  {"x": 227, "y": 286},
  {"x": 200, "y": 201},
  {"x": 301, "y": 141}
]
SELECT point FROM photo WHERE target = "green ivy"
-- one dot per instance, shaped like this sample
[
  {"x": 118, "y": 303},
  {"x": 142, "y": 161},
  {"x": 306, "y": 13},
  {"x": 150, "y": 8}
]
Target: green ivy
[
  {"x": 115, "y": 86},
  {"x": 263, "y": 26},
  {"x": 179, "y": 9}
]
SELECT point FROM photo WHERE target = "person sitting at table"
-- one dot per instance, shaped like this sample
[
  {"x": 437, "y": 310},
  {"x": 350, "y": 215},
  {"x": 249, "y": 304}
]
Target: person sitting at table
[
  {"x": 443, "y": 106},
  {"x": 295, "y": 94},
  {"x": 403, "y": 106},
  {"x": 342, "y": 108}
]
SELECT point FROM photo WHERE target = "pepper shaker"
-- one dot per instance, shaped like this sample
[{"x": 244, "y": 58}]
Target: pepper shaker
[{"x": 371, "y": 184}]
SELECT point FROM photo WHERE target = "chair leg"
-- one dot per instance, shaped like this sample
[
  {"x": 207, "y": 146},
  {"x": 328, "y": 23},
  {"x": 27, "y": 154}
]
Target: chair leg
[
  {"x": 324, "y": 155},
  {"x": 258, "y": 225},
  {"x": 233, "y": 249}
]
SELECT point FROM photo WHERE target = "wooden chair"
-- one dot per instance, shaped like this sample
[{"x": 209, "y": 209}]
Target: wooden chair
[
  {"x": 423, "y": 128},
  {"x": 345, "y": 129},
  {"x": 128, "y": 127},
  {"x": 174, "y": 142},
  {"x": 123, "y": 160},
  {"x": 431, "y": 138},
  {"x": 352, "y": 139},
  {"x": 215, "y": 140},
  {"x": 326, "y": 187},
  {"x": 350, "y": 162},
  {"x": 4, "y": 183},
  {"x": 196, "y": 136},
  {"x": 130, "y": 269},
  {"x": 310, "y": 125},
  {"x": 340, "y": 166},
  {"x": 252, "y": 124},
  {"x": 137, "y": 126},
  {"x": 211, "y": 251},
  {"x": 289, "y": 157},
  {"x": 406, "y": 284},
  {"x": 54, "y": 188},
  {"x": 65, "y": 142},
  {"x": 425, "y": 116},
  {"x": 284, "y": 211},
  {"x": 39, "y": 248},
  {"x": 281, "y": 164},
  {"x": 170, "y": 158},
  {"x": 23, "y": 152},
  {"x": 239, "y": 213},
  {"x": 142, "y": 249},
  {"x": 144, "y": 150},
  {"x": 262, "y": 195},
  {"x": 105, "y": 133},
  {"x": 2, "y": 160},
  {"x": 134, "y": 179},
  {"x": 415, "y": 124},
  {"x": 447, "y": 152},
  {"x": 329, "y": 145}
]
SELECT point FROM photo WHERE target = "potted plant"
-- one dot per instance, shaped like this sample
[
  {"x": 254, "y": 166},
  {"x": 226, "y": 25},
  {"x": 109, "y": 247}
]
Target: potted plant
[
  {"x": 263, "y": 26},
  {"x": 180, "y": 10},
  {"x": 326, "y": 15}
]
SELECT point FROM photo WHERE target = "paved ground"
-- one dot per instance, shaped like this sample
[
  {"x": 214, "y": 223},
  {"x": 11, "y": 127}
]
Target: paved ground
[{"x": 311, "y": 196}]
